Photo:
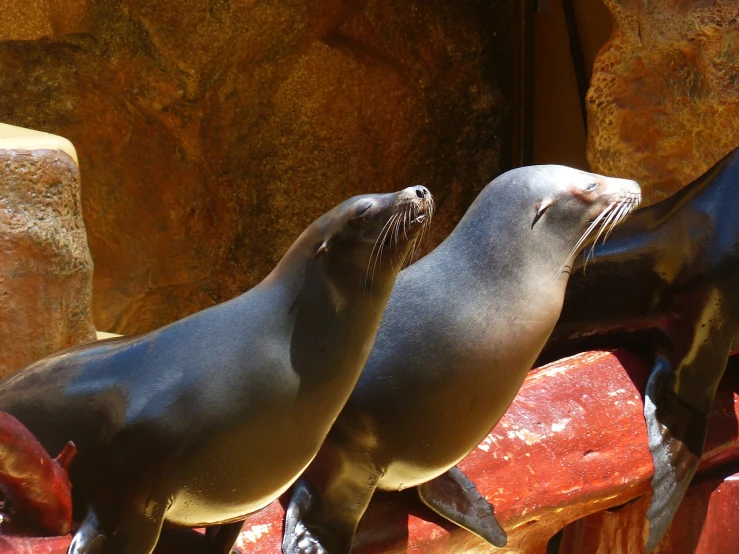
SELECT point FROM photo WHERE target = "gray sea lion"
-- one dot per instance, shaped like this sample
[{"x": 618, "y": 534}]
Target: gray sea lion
[
  {"x": 461, "y": 330},
  {"x": 212, "y": 417}
]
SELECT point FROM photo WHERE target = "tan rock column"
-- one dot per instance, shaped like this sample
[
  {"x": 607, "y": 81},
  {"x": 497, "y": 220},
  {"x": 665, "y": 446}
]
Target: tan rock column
[{"x": 45, "y": 265}]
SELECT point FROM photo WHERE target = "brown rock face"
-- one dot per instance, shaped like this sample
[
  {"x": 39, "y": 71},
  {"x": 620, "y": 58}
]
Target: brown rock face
[
  {"x": 45, "y": 265},
  {"x": 663, "y": 104},
  {"x": 211, "y": 132}
]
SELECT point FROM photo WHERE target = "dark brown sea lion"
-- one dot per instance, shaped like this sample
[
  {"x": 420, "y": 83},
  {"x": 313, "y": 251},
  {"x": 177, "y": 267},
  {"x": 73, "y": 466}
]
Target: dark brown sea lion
[
  {"x": 461, "y": 330},
  {"x": 212, "y": 417},
  {"x": 667, "y": 284}
]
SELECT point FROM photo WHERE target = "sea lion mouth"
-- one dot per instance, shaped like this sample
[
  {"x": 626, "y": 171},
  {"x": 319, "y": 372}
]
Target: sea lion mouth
[{"x": 420, "y": 218}]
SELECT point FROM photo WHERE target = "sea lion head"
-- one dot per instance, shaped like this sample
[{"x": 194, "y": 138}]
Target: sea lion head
[
  {"x": 368, "y": 239},
  {"x": 577, "y": 207}
]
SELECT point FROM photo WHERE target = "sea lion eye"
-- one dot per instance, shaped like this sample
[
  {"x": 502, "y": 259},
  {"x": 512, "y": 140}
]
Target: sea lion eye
[
  {"x": 591, "y": 187},
  {"x": 361, "y": 213}
]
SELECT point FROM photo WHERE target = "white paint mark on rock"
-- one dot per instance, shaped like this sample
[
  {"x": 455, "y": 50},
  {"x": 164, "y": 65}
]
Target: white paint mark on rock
[
  {"x": 254, "y": 534},
  {"x": 560, "y": 425}
]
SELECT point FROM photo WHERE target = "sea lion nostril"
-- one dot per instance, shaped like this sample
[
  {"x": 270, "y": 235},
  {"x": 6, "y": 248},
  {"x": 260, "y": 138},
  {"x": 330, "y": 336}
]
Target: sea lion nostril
[{"x": 422, "y": 192}]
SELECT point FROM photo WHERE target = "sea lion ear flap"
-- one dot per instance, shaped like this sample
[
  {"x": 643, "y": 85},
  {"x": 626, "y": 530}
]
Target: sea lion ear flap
[
  {"x": 321, "y": 250},
  {"x": 541, "y": 207}
]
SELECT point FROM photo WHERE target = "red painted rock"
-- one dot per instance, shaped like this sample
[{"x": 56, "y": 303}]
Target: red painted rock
[
  {"x": 706, "y": 523},
  {"x": 573, "y": 443},
  {"x": 45, "y": 265}
]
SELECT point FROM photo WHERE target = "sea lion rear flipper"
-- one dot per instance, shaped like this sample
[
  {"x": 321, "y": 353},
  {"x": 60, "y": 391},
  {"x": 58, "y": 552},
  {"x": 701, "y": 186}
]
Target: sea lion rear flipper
[
  {"x": 453, "y": 496},
  {"x": 676, "y": 406}
]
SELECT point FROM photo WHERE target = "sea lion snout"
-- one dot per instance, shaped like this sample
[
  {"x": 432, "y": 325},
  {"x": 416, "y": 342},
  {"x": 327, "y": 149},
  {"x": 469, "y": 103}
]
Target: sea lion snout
[
  {"x": 422, "y": 192},
  {"x": 620, "y": 196},
  {"x": 418, "y": 191},
  {"x": 622, "y": 189},
  {"x": 611, "y": 201},
  {"x": 420, "y": 200}
]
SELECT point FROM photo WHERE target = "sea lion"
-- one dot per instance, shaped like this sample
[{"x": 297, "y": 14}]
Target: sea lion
[
  {"x": 212, "y": 417},
  {"x": 666, "y": 284},
  {"x": 461, "y": 330}
]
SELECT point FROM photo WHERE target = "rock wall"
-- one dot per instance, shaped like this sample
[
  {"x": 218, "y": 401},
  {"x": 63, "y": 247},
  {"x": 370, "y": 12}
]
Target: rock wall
[
  {"x": 663, "y": 104},
  {"x": 211, "y": 132},
  {"x": 45, "y": 265}
]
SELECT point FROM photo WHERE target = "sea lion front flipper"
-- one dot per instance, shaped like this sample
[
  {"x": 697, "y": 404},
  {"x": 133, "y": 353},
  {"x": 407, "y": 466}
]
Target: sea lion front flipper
[
  {"x": 328, "y": 501},
  {"x": 676, "y": 406},
  {"x": 298, "y": 538},
  {"x": 221, "y": 539},
  {"x": 89, "y": 537},
  {"x": 675, "y": 459},
  {"x": 453, "y": 496},
  {"x": 140, "y": 524}
]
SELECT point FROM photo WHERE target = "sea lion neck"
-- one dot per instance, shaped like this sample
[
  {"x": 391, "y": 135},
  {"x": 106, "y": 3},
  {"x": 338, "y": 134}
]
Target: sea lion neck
[
  {"x": 290, "y": 270},
  {"x": 506, "y": 244}
]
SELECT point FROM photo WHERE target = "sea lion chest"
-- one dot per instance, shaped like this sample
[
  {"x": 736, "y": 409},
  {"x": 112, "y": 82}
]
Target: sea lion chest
[{"x": 469, "y": 360}]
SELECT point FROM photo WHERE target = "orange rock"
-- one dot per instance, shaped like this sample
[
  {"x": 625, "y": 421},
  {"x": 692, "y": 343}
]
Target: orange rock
[
  {"x": 211, "y": 133},
  {"x": 45, "y": 265},
  {"x": 663, "y": 104}
]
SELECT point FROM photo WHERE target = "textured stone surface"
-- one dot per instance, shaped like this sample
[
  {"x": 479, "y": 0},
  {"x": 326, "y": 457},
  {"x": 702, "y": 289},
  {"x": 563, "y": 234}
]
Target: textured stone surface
[
  {"x": 211, "y": 132},
  {"x": 45, "y": 265},
  {"x": 663, "y": 104}
]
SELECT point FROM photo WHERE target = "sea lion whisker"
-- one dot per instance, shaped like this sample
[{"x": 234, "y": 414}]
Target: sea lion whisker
[
  {"x": 381, "y": 242},
  {"x": 386, "y": 242},
  {"x": 585, "y": 235},
  {"x": 601, "y": 226},
  {"x": 607, "y": 223},
  {"x": 408, "y": 220},
  {"x": 403, "y": 229},
  {"x": 403, "y": 226},
  {"x": 378, "y": 241},
  {"x": 612, "y": 216},
  {"x": 419, "y": 239},
  {"x": 424, "y": 229},
  {"x": 591, "y": 228},
  {"x": 412, "y": 215},
  {"x": 626, "y": 208},
  {"x": 633, "y": 203},
  {"x": 614, "y": 219},
  {"x": 409, "y": 255},
  {"x": 394, "y": 238}
]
